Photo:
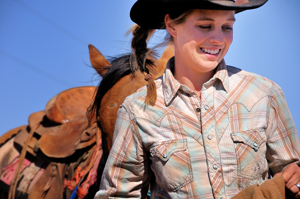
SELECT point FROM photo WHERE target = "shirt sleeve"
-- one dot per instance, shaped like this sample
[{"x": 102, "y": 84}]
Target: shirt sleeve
[
  {"x": 283, "y": 141},
  {"x": 125, "y": 174}
]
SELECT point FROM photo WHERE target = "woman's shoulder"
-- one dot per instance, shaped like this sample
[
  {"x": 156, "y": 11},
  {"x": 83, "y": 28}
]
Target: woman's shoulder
[
  {"x": 232, "y": 71},
  {"x": 136, "y": 107},
  {"x": 235, "y": 73},
  {"x": 140, "y": 94}
]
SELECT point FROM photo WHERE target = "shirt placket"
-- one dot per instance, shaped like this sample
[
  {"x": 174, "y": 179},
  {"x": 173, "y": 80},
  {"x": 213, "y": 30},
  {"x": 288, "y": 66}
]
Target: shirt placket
[{"x": 210, "y": 143}]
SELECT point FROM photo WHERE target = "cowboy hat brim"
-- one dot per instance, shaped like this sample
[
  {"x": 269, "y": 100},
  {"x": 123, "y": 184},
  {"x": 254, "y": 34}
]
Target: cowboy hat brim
[{"x": 150, "y": 13}]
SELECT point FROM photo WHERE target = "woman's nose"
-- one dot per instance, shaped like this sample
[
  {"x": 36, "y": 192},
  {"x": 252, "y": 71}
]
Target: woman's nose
[{"x": 217, "y": 37}]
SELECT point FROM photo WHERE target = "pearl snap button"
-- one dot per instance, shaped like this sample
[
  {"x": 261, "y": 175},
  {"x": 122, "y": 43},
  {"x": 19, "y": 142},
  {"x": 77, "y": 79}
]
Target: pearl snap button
[
  {"x": 206, "y": 107},
  {"x": 255, "y": 144},
  {"x": 215, "y": 167},
  {"x": 165, "y": 155},
  {"x": 209, "y": 137}
]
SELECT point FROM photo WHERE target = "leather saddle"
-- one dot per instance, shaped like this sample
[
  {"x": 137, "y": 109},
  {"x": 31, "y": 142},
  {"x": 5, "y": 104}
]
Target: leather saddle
[
  {"x": 57, "y": 153},
  {"x": 59, "y": 129}
]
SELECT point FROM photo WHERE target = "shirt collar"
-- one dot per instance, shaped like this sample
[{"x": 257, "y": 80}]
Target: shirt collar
[
  {"x": 221, "y": 74},
  {"x": 171, "y": 85}
]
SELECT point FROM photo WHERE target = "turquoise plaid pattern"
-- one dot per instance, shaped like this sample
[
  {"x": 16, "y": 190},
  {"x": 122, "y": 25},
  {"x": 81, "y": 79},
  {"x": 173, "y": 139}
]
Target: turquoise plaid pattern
[{"x": 210, "y": 147}]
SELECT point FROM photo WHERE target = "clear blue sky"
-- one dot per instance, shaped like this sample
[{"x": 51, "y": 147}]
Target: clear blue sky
[{"x": 44, "y": 48}]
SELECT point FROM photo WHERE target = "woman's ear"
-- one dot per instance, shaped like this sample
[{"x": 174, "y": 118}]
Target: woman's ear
[{"x": 170, "y": 26}]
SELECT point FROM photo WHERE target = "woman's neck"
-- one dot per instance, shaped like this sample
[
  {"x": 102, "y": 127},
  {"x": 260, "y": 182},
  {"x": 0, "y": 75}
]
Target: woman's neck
[{"x": 193, "y": 81}]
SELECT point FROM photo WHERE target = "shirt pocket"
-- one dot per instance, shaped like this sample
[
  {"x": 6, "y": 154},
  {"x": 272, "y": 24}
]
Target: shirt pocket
[
  {"x": 252, "y": 138},
  {"x": 250, "y": 148},
  {"x": 171, "y": 164}
]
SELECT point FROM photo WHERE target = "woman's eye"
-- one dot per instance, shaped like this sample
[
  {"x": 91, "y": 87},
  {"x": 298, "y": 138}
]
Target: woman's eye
[
  {"x": 205, "y": 27},
  {"x": 227, "y": 28}
]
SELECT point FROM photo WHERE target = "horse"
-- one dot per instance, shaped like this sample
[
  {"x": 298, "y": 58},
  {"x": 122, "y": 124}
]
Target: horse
[{"x": 63, "y": 148}]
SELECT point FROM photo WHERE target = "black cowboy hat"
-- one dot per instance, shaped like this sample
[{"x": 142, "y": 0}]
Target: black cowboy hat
[{"x": 150, "y": 13}]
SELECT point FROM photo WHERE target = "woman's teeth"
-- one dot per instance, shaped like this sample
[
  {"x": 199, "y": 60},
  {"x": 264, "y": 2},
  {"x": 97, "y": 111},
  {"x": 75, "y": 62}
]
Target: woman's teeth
[{"x": 213, "y": 52}]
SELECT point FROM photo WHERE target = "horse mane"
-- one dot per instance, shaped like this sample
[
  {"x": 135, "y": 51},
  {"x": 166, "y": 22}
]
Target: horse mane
[{"x": 120, "y": 67}]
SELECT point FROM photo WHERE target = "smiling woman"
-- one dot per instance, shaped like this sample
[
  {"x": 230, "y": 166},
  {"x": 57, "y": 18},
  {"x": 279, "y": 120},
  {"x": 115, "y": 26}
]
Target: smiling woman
[
  {"x": 44, "y": 48},
  {"x": 210, "y": 129}
]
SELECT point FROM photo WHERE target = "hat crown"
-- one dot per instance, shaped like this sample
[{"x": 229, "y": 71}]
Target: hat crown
[{"x": 150, "y": 13}]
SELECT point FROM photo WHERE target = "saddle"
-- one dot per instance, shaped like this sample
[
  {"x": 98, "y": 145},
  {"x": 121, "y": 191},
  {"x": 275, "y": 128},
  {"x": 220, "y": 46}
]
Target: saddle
[{"x": 57, "y": 155}]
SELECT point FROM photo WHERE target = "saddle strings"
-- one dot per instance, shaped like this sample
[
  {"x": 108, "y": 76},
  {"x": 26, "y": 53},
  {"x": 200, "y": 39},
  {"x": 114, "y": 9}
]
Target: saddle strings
[{"x": 13, "y": 186}]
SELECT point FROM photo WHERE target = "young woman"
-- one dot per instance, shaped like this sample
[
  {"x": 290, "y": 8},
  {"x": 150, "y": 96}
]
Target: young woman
[{"x": 213, "y": 129}]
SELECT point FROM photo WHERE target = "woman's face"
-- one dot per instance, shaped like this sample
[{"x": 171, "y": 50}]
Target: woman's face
[{"x": 202, "y": 40}]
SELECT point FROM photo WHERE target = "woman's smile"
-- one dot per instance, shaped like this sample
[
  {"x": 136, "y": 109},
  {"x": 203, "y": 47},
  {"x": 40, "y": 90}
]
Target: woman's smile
[{"x": 210, "y": 51}]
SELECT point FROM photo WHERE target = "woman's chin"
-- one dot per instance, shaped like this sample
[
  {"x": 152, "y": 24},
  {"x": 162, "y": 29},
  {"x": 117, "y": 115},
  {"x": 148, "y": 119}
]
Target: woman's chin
[{"x": 208, "y": 66}]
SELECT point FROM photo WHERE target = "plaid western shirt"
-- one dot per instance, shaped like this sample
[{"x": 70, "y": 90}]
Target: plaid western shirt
[{"x": 208, "y": 147}]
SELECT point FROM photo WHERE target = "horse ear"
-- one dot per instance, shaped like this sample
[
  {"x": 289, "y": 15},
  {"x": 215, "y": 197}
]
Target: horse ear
[{"x": 98, "y": 61}]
